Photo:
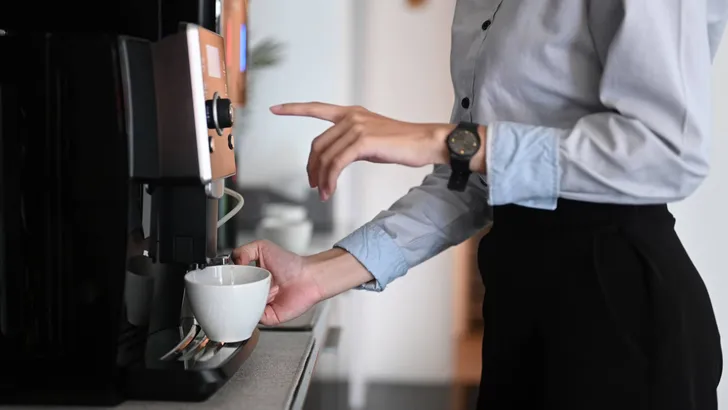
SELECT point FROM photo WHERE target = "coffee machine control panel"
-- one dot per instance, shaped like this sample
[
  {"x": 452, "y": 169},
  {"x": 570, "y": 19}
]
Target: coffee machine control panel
[
  {"x": 219, "y": 111},
  {"x": 194, "y": 112}
]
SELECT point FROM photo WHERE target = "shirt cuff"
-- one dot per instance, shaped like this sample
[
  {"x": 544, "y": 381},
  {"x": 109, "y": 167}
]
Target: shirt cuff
[
  {"x": 376, "y": 250},
  {"x": 523, "y": 165}
]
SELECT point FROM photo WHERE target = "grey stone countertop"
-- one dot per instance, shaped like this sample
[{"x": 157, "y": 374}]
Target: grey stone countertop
[
  {"x": 278, "y": 373},
  {"x": 268, "y": 379},
  {"x": 276, "y": 376}
]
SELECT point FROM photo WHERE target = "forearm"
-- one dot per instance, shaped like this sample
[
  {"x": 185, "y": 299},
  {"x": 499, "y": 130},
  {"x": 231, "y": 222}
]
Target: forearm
[
  {"x": 420, "y": 225},
  {"x": 477, "y": 163},
  {"x": 336, "y": 271},
  {"x": 423, "y": 223}
]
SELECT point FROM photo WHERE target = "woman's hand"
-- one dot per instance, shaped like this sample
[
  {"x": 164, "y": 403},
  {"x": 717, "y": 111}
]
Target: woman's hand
[
  {"x": 293, "y": 290},
  {"x": 361, "y": 135},
  {"x": 301, "y": 282}
]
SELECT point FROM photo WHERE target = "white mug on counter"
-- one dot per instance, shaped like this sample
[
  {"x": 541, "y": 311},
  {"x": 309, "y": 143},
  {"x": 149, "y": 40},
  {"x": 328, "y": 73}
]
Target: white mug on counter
[
  {"x": 290, "y": 234},
  {"x": 286, "y": 212}
]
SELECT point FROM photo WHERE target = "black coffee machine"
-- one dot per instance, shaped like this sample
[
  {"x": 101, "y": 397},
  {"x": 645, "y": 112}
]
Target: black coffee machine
[{"x": 114, "y": 147}]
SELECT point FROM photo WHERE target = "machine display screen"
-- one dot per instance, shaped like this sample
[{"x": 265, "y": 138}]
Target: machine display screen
[
  {"x": 243, "y": 47},
  {"x": 213, "y": 62}
]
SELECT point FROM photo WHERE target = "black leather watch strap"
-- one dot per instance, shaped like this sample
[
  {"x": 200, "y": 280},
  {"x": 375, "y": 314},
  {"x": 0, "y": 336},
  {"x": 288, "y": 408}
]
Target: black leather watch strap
[
  {"x": 469, "y": 126},
  {"x": 458, "y": 180}
]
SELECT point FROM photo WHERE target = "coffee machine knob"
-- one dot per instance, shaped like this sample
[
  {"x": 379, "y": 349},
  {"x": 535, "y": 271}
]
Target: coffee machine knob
[
  {"x": 225, "y": 113},
  {"x": 220, "y": 113}
]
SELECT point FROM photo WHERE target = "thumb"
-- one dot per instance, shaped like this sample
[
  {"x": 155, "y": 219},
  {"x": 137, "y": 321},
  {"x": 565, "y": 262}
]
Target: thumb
[{"x": 247, "y": 254}]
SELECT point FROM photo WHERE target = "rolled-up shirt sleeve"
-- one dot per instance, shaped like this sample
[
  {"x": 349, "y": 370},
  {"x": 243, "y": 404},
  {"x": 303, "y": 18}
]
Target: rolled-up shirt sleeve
[
  {"x": 420, "y": 225},
  {"x": 648, "y": 146}
]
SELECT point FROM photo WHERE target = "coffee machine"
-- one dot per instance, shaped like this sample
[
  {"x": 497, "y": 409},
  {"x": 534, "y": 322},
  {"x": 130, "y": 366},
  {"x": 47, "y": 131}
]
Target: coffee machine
[{"x": 114, "y": 148}]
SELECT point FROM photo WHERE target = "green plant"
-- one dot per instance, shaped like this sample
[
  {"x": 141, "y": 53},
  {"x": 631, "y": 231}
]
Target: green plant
[{"x": 266, "y": 53}]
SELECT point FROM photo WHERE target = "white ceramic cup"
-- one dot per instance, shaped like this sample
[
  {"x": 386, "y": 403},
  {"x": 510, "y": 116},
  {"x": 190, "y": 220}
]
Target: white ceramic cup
[
  {"x": 294, "y": 236},
  {"x": 287, "y": 212},
  {"x": 228, "y": 300}
]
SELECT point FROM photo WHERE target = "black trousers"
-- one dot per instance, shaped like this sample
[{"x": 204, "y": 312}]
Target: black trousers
[{"x": 594, "y": 307}]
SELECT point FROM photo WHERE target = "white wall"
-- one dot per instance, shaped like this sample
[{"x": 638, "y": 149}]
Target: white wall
[
  {"x": 393, "y": 60},
  {"x": 402, "y": 71},
  {"x": 406, "y": 336},
  {"x": 317, "y": 66},
  {"x": 702, "y": 220}
]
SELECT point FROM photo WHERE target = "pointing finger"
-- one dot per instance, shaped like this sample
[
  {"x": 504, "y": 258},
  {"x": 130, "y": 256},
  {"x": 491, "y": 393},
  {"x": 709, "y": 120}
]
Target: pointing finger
[{"x": 322, "y": 111}]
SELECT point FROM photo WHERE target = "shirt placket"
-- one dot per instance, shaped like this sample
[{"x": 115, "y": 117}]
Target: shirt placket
[{"x": 468, "y": 101}]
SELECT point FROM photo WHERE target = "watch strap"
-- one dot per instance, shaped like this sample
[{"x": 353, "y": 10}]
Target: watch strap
[
  {"x": 458, "y": 180},
  {"x": 464, "y": 125}
]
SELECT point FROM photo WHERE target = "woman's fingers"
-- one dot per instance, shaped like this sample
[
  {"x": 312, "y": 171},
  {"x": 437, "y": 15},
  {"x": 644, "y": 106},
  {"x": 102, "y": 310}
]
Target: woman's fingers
[
  {"x": 246, "y": 254},
  {"x": 351, "y": 153},
  {"x": 330, "y": 158},
  {"x": 272, "y": 294},
  {"x": 270, "y": 318},
  {"x": 319, "y": 145}
]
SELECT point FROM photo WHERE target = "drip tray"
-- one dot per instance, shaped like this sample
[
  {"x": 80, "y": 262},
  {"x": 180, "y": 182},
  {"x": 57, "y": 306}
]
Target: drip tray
[
  {"x": 195, "y": 347},
  {"x": 183, "y": 364}
]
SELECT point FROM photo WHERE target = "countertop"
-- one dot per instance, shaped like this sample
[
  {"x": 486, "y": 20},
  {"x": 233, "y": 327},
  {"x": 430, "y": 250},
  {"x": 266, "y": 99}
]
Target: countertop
[
  {"x": 278, "y": 373},
  {"x": 276, "y": 376},
  {"x": 267, "y": 380}
]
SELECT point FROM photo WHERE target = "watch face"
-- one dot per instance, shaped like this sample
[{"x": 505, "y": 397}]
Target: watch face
[{"x": 463, "y": 142}]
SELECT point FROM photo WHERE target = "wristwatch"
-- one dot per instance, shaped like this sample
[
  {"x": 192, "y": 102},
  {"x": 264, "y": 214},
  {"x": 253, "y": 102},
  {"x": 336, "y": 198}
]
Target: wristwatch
[{"x": 463, "y": 143}]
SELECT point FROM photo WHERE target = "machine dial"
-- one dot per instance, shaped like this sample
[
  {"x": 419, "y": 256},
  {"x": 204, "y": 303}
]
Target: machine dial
[{"x": 220, "y": 113}]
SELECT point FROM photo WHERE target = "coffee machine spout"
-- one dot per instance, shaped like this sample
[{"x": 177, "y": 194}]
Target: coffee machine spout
[{"x": 220, "y": 260}]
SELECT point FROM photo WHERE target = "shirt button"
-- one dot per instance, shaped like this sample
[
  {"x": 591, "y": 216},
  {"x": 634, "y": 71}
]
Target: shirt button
[
  {"x": 465, "y": 103},
  {"x": 485, "y": 25}
]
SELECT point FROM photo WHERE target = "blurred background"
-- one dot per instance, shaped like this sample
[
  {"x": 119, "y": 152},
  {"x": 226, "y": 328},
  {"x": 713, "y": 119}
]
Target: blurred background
[{"x": 417, "y": 345}]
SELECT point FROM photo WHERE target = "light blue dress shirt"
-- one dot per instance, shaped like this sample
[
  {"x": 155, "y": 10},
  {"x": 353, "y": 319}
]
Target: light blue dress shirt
[{"x": 594, "y": 100}]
